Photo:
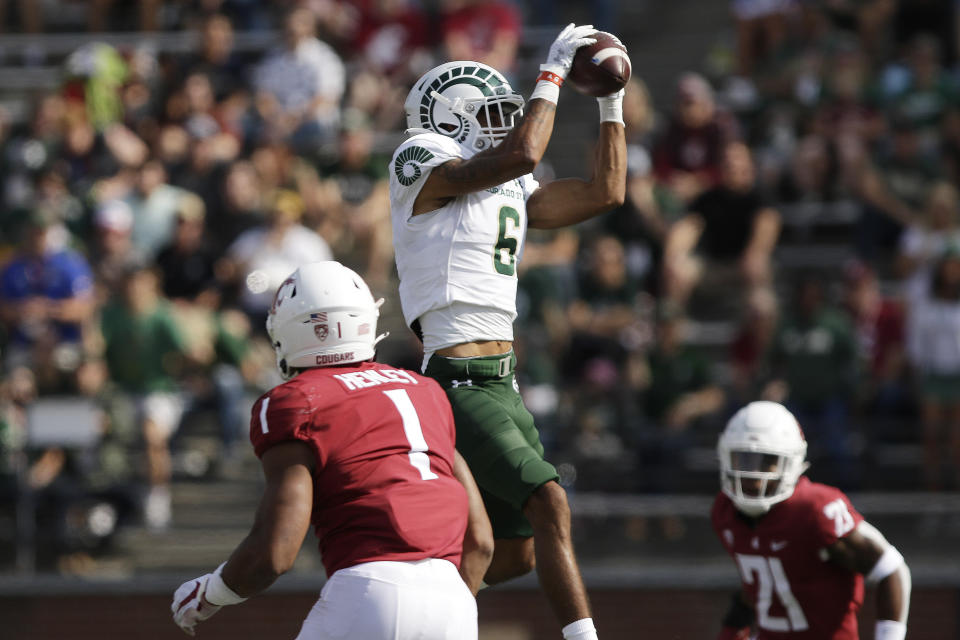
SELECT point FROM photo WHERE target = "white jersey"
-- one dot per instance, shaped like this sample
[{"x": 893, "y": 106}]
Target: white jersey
[{"x": 464, "y": 253}]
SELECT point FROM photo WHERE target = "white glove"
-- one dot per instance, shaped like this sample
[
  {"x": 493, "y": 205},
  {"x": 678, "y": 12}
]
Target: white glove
[
  {"x": 194, "y": 601},
  {"x": 560, "y": 58},
  {"x": 611, "y": 107},
  {"x": 189, "y": 607}
]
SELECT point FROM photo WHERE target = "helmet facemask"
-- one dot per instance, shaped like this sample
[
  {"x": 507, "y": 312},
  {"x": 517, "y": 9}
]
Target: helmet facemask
[
  {"x": 494, "y": 117},
  {"x": 762, "y": 452},
  {"x": 756, "y": 480}
]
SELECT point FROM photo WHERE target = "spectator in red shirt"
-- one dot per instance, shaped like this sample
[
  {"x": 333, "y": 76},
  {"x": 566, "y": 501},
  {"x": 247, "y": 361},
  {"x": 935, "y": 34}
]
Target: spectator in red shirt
[
  {"x": 689, "y": 154},
  {"x": 392, "y": 37},
  {"x": 487, "y": 32},
  {"x": 880, "y": 331}
]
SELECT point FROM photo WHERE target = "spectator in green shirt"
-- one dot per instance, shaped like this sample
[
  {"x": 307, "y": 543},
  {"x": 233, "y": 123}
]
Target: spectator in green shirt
[
  {"x": 681, "y": 392},
  {"x": 813, "y": 360},
  {"x": 144, "y": 352}
]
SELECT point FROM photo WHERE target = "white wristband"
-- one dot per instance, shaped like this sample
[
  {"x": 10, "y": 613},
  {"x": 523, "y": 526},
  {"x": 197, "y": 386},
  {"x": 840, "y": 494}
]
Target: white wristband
[
  {"x": 889, "y": 630},
  {"x": 218, "y": 593},
  {"x": 581, "y": 629},
  {"x": 611, "y": 107},
  {"x": 548, "y": 86}
]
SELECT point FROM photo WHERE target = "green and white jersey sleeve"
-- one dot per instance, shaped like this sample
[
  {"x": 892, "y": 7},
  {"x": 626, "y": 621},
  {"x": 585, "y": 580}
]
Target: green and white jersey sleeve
[{"x": 464, "y": 252}]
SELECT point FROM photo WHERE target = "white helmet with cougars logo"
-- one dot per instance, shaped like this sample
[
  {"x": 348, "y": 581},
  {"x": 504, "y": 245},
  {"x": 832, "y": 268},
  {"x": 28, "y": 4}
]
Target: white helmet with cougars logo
[
  {"x": 467, "y": 101},
  {"x": 322, "y": 315},
  {"x": 762, "y": 453}
]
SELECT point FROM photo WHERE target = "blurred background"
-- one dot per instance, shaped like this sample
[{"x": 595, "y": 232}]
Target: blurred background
[{"x": 791, "y": 232}]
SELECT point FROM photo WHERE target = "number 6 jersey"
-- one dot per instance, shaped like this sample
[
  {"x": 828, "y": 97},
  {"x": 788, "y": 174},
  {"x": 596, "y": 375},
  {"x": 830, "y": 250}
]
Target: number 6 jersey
[
  {"x": 383, "y": 438},
  {"x": 465, "y": 252},
  {"x": 781, "y": 556}
]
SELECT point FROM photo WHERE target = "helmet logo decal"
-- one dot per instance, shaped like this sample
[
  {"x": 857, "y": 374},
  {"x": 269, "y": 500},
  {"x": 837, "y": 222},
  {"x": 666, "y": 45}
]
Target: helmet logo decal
[
  {"x": 281, "y": 293},
  {"x": 444, "y": 82},
  {"x": 321, "y": 331},
  {"x": 407, "y": 164}
]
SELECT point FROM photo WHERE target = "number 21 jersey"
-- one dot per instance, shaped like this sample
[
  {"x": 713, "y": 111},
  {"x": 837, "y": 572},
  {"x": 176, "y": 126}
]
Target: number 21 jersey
[
  {"x": 467, "y": 250},
  {"x": 796, "y": 592},
  {"x": 383, "y": 441}
]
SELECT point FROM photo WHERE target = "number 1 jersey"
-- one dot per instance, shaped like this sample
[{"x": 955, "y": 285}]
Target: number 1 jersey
[
  {"x": 781, "y": 556},
  {"x": 384, "y": 441},
  {"x": 465, "y": 251}
]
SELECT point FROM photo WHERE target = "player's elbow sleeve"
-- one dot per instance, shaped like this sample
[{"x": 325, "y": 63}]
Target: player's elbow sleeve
[{"x": 890, "y": 561}]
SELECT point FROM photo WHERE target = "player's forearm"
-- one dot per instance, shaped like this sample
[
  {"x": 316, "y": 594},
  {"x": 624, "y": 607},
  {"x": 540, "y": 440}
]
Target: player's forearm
[
  {"x": 269, "y": 550},
  {"x": 566, "y": 202},
  {"x": 478, "y": 538},
  {"x": 475, "y": 560},
  {"x": 281, "y": 523},
  {"x": 252, "y": 567},
  {"x": 893, "y": 595},
  {"x": 524, "y": 146},
  {"x": 893, "y": 604},
  {"x": 609, "y": 182},
  {"x": 532, "y": 134},
  {"x": 517, "y": 155}
]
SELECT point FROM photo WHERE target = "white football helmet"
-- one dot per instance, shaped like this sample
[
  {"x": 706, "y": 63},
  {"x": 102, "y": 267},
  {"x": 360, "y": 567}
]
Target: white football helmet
[
  {"x": 762, "y": 453},
  {"x": 323, "y": 315},
  {"x": 467, "y": 101}
]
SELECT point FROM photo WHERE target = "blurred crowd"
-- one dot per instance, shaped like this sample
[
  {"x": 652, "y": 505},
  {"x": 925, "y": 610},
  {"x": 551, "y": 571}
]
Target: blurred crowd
[
  {"x": 790, "y": 233},
  {"x": 152, "y": 202}
]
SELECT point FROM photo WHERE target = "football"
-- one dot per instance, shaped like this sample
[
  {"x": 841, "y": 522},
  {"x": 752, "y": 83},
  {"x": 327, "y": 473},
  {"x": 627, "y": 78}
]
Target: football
[{"x": 601, "y": 68}]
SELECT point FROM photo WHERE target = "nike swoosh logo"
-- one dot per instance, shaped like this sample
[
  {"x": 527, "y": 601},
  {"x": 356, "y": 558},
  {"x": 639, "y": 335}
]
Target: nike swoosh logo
[{"x": 776, "y": 546}]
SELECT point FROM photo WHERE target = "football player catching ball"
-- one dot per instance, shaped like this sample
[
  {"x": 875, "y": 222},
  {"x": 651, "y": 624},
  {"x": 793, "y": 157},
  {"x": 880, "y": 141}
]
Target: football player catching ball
[
  {"x": 462, "y": 197},
  {"x": 801, "y": 548},
  {"x": 365, "y": 453}
]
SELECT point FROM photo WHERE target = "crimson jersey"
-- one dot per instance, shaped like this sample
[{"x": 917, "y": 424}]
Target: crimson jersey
[
  {"x": 795, "y": 591},
  {"x": 384, "y": 440}
]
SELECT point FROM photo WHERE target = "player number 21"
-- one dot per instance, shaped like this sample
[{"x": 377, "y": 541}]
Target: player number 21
[
  {"x": 413, "y": 431},
  {"x": 770, "y": 577}
]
